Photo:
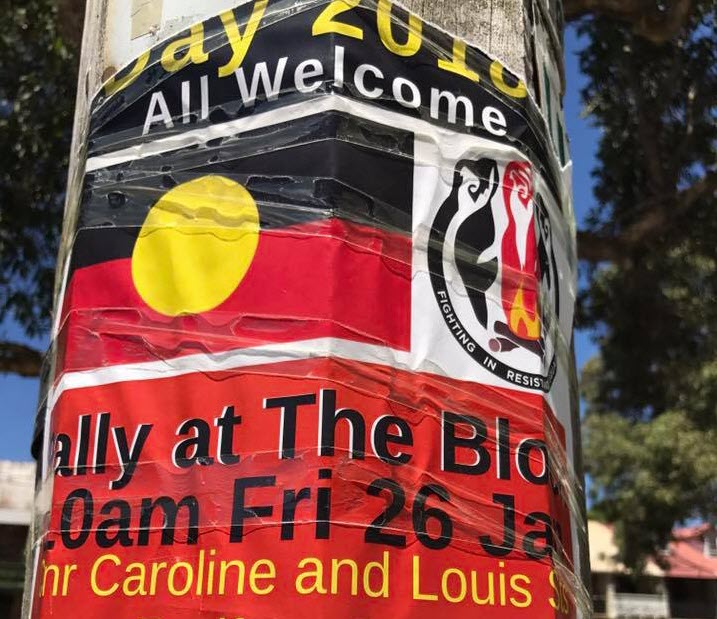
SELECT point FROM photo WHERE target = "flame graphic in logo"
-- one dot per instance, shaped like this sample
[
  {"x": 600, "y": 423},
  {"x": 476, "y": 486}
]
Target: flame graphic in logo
[
  {"x": 521, "y": 267},
  {"x": 520, "y": 320}
]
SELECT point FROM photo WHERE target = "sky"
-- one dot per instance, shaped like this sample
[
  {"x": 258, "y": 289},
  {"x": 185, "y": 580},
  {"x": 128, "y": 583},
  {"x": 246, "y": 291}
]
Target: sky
[{"x": 18, "y": 396}]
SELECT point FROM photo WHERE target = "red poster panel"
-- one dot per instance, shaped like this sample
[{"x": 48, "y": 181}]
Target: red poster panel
[{"x": 314, "y": 485}]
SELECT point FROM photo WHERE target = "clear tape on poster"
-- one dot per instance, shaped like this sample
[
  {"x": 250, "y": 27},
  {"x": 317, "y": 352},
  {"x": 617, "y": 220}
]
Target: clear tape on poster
[{"x": 313, "y": 333}]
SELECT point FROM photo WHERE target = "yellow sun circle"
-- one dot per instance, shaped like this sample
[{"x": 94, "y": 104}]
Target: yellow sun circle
[{"x": 195, "y": 246}]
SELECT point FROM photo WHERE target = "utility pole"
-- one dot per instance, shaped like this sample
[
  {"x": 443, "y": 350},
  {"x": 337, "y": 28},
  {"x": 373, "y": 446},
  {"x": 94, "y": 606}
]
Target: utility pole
[{"x": 313, "y": 345}]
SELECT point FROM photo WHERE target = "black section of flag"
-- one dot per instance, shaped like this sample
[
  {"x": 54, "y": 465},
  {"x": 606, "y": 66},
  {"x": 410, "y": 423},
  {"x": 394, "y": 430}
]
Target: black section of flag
[
  {"x": 317, "y": 167},
  {"x": 93, "y": 245}
]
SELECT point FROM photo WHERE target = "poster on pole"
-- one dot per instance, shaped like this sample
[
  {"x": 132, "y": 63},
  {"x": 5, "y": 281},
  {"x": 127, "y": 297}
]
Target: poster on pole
[{"x": 312, "y": 349}]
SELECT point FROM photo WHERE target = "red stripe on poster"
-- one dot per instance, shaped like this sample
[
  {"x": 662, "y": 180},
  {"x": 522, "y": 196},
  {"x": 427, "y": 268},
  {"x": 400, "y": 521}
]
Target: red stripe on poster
[{"x": 330, "y": 278}]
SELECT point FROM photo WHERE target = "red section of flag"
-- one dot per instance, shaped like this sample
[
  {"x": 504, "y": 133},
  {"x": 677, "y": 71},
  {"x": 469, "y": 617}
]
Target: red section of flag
[
  {"x": 330, "y": 278},
  {"x": 440, "y": 540}
]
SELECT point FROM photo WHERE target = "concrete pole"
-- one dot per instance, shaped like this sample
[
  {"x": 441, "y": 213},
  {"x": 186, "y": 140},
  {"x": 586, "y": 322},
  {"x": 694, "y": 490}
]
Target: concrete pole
[{"x": 525, "y": 37}]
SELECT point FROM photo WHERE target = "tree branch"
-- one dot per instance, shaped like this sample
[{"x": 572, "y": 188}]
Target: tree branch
[
  {"x": 661, "y": 216},
  {"x": 19, "y": 359},
  {"x": 593, "y": 247},
  {"x": 645, "y": 16},
  {"x": 658, "y": 218}
]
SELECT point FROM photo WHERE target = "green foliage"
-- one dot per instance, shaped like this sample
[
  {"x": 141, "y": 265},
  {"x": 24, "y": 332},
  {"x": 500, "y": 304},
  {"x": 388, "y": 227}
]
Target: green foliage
[
  {"x": 651, "y": 396},
  {"x": 646, "y": 476},
  {"x": 37, "y": 95}
]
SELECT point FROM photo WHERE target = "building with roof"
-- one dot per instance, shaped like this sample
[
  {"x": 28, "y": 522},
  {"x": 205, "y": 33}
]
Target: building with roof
[
  {"x": 682, "y": 586},
  {"x": 17, "y": 482}
]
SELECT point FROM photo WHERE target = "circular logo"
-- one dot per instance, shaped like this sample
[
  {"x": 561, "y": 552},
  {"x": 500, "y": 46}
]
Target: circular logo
[
  {"x": 493, "y": 271},
  {"x": 195, "y": 246}
]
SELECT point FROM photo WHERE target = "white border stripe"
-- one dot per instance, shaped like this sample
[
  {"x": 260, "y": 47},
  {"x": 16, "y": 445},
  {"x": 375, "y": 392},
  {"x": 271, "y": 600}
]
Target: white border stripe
[
  {"x": 235, "y": 359},
  {"x": 325, "y": 103}
]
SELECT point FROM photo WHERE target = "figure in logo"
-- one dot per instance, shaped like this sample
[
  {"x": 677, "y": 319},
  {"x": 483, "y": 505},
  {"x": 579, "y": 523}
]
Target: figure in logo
[
  {"x": 527, "y": 265},
  {"x": 466, "y": 220},
  {"x": 546, "y": 256},
  {"x": 519, "y": 265}
]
